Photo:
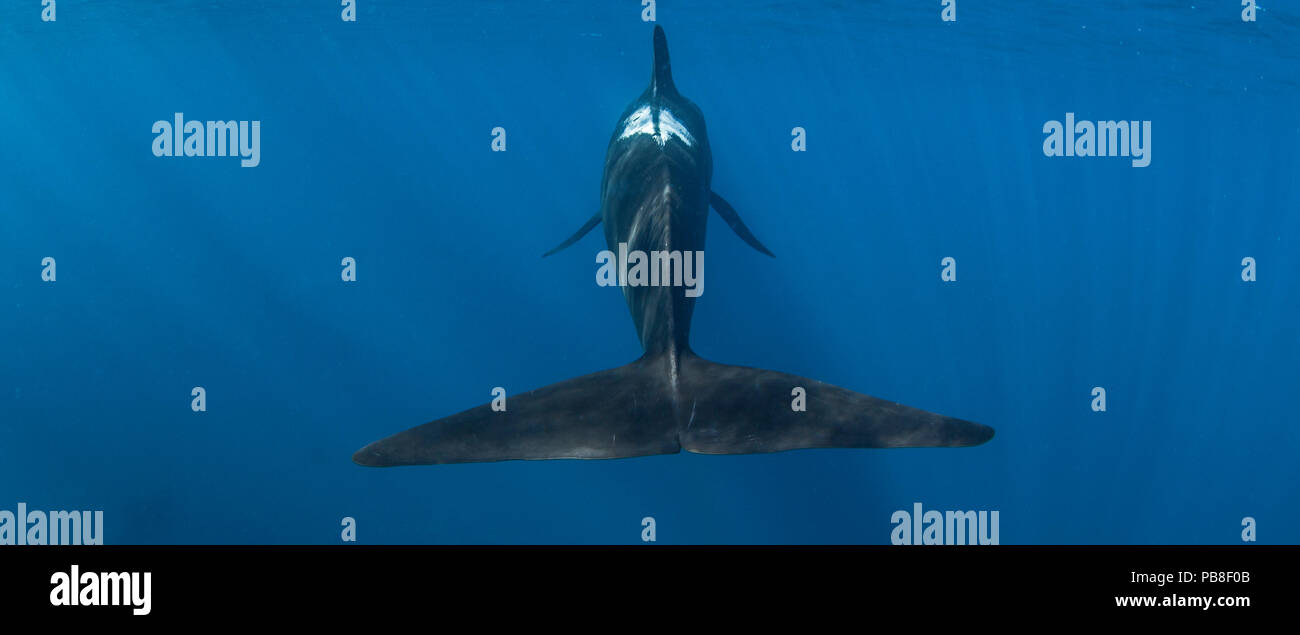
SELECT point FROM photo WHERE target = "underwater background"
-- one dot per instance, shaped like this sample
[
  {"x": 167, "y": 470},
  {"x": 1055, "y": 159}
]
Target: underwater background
[{"x": 924, "y": 141}]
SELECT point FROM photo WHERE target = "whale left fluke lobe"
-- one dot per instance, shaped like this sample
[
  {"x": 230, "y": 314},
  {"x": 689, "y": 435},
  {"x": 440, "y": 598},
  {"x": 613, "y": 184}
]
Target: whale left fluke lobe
[{"x": 617, "y": 413}]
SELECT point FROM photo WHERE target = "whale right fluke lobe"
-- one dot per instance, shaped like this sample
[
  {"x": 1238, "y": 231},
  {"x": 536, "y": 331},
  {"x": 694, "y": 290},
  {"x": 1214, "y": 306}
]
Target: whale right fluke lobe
[{"x": 741, "y": 410}]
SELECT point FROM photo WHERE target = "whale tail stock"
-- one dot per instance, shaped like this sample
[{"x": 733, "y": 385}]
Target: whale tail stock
[{"x": 635, "y": 410}]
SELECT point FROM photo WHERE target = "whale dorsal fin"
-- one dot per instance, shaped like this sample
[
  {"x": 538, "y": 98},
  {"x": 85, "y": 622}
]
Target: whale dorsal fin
[
  {"x": 728, "y": 214},
  {"x": 661, "y": 76}
]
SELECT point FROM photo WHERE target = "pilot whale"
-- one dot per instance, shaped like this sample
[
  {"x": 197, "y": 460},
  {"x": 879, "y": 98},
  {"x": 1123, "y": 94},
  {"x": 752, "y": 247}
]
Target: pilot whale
[{"x": 655, "y": 196}]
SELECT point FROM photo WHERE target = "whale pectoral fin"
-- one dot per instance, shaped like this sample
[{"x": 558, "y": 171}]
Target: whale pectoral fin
[
  {"x": 617, "y": 413},
  {"x": 582, "y": 231},
  {"x": 728, "y": 214},
  {"x": 739, "y": 410}
]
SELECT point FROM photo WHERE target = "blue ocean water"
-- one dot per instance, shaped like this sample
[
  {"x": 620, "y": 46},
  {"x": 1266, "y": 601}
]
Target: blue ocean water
[{"x": 924, "y": 141}]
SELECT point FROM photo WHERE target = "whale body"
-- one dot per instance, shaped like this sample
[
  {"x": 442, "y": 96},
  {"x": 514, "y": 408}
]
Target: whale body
[{"x": 655, "y": 197}]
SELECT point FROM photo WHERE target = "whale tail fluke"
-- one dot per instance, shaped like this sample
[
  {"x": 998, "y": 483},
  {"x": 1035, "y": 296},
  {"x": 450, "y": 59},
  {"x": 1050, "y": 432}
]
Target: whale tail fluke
[{"x": 634, "y": 410}]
